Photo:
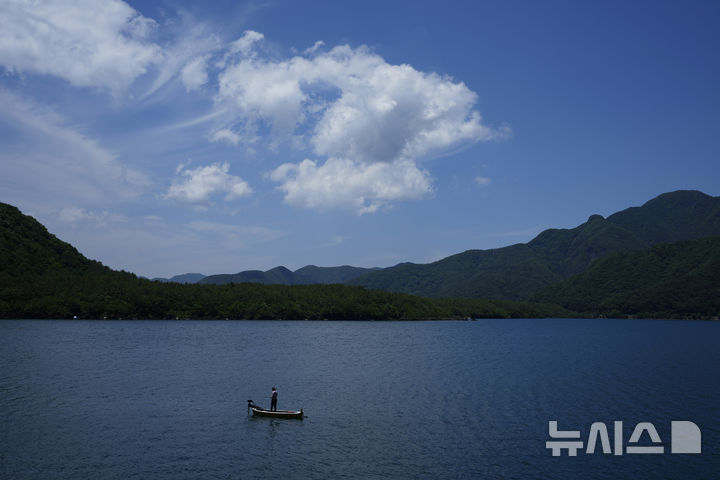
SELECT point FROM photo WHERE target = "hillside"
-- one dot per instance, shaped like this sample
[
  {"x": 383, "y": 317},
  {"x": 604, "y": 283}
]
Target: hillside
[
  {"x": 44, "y": 277},
  {"x": 28, "y": 249},
  {"x": 672, "y": 280},
  {"x": 518, "y": 271},
  {"x": 680, "y": 215}
]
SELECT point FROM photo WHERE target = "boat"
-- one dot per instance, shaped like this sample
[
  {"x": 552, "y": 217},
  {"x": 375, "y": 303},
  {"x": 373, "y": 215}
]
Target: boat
[{"x": 259, "y": 411}]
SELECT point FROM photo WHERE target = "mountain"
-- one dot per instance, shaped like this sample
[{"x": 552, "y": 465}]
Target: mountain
[
  {"x": 184, "y": 278},
  {"x": 312, "y": 274},
  {"x": 680, "y": 215},
  {"x": 518, "y": 271},
  {"x": 278, "y": 275},
  {"x": 187, "y": 278},
  {"x": 28, "y": 249},
  {"x": 44, "y": 277},
  {"x": 670, "y": 280},
  {"x": 282, "y": 276}
]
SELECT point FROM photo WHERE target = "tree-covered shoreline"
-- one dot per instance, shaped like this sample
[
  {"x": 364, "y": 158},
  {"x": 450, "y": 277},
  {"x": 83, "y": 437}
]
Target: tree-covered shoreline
[{"x": 97, "y": 296}]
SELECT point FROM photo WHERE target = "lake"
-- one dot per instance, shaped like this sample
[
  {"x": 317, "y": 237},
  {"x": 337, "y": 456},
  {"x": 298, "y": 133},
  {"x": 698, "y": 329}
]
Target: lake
[{"x": 445, "y": 399}]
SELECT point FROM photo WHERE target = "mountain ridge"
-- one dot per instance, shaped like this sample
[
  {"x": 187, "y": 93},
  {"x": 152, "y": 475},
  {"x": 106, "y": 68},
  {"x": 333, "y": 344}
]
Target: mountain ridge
[
  {"x": 516, "y": 272},
  {"x": 307, "y": 275}
]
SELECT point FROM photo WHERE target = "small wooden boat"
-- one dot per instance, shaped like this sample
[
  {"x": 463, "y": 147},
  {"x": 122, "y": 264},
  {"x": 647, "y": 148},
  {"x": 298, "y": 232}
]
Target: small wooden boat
[{"x": 261, "y": 412}]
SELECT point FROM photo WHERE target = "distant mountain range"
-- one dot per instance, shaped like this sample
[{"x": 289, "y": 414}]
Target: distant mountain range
[
  {"x": 280, "y": 275},
  {"x": 308, "y": 275},
  {"x": 184, "y": 278},
  {"x": 518, "y": 272}
]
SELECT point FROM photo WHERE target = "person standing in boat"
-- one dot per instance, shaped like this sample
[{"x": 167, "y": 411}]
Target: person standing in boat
[{"x": 273, "y": 400}]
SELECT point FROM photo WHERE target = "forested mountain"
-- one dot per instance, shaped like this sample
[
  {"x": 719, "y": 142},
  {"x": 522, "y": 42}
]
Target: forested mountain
[
  {"x": 518, "y": 271},
  {"x": 44, "y": 277},
  {"x": 680, "y": 279},
  {"x": 280, "y": 275},
  {"x": 680, "y": 215},
  {"x": 188, "y": 278}
]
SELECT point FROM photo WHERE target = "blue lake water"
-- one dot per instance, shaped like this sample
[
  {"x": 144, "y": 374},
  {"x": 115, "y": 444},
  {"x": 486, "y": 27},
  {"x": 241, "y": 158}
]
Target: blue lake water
[{"x": 167, "y": 400}]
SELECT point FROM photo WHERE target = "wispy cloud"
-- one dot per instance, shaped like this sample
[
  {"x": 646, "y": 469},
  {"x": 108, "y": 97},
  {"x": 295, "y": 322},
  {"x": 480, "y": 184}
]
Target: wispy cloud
[
  {"x": 185, "y": 54},
  {"x": 58, "y": 160},
  {"x": 86, "y": 42},
  {"x": 77, "y": 215}
]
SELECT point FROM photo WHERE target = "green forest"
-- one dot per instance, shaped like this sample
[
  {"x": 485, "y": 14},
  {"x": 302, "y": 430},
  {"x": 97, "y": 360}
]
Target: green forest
[{"x": 670, "y": 280}]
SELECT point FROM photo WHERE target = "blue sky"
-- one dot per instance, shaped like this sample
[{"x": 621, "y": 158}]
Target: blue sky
[{"x": 168, "y": 137}]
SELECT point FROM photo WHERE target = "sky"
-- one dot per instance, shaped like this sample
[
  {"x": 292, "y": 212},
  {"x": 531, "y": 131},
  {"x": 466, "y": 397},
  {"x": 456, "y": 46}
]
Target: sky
[{"x": 165, "y": 137}]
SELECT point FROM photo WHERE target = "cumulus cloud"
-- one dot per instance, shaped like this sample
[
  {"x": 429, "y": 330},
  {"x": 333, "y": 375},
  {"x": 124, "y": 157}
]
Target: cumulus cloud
[
  {"x": 350, "y": 185},
  {"x": 199, "y": 184},
  {"x": 369, "y": 123},
  {"x": 87, "y": 42}
]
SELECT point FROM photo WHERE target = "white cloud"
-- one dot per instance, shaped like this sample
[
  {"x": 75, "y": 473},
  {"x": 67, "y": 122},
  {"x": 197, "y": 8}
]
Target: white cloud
[
  {"x": 77, "y": 214},
  {"x": 371, "y": 122},
  {"x": 349, "y": 185},
  {"x": 314, "y": 48},
  {"x": 226, "y": 135},
  {"x": 264, "y": 91},
  {"x": 87, "y": 42},
  {"x": 194, "y": 73},
  {"x": 482, "y": 181},
  {"x": 386, "y": 112},
  {"x": 201, "y": 183},
  {"x": 245, "y": 44}
]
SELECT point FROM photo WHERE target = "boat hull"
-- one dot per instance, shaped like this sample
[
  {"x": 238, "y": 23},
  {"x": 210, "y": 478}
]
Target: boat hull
[{"x": 297, "y": 414}]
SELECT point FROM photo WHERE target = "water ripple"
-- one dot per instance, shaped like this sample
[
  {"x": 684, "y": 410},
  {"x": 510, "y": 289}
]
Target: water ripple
[{"x": 167, "y": 400}]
